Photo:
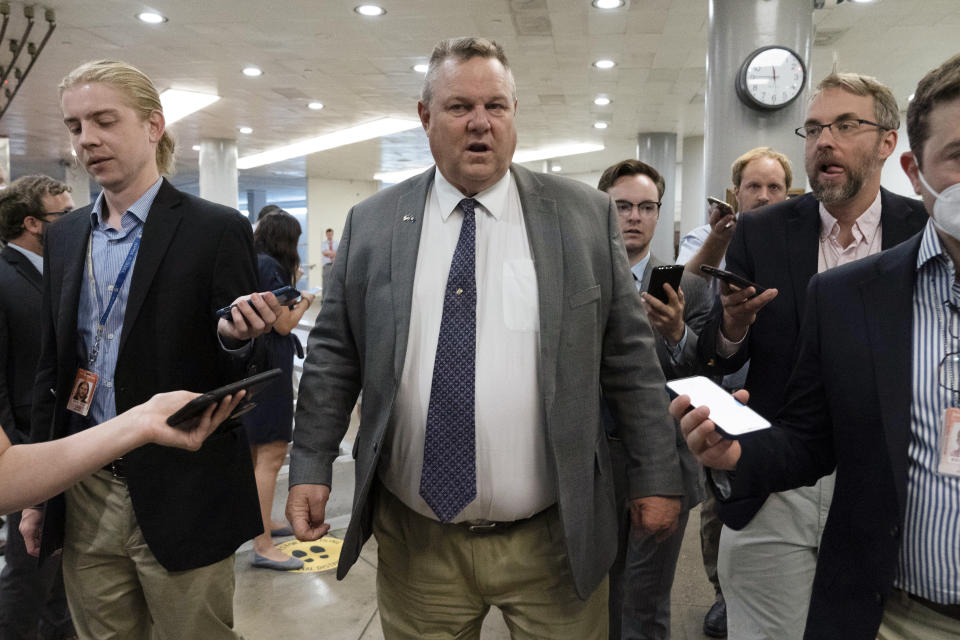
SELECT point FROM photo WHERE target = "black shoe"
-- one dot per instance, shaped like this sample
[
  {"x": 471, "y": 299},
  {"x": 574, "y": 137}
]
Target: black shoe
[{"x": 715, "y": 622}]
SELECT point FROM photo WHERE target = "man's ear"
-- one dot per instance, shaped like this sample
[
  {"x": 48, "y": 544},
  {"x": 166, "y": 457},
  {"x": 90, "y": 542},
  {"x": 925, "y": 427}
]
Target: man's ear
[
  {"x": 33, "y": 224},
  {"x": 424, "y": 112},
  {"x": 909, "y": 164},
  {"x": 157, "y": 124}
]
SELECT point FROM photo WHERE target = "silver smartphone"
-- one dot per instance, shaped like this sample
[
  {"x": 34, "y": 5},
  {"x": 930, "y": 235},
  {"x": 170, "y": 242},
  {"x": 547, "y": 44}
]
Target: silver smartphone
[{"x": 732, "y": 418}]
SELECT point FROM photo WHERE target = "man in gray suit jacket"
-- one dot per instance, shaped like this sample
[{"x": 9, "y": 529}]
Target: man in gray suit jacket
[
  {"x": 642, "y": 575},
  {"x": 482, "y": 308}
]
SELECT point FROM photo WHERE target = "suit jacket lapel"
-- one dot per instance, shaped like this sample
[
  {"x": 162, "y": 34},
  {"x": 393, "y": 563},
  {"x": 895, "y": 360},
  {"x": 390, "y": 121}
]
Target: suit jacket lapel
[
  {"x": 888, "y": 307},
  {"x": 542, "y": 221},
  {"x": 71, "y": 245},
  {"x": 802, "y": 234},
  {"x": 158, "y": 231},
  {"x": 894, "y": 220},
  {"x": 24, "y": 267},
  {"x": 407, "y": 225}
]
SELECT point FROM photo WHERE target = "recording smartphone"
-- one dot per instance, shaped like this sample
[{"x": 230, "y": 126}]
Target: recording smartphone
[
  {"x": 194, "y": 408},
  {"x": 664, "y": 274},
  {"x": 285, "y": 295},
  {"x": 732, "y": 418},
  {"x": 732, "y": 279},
  {"x": 725, "y": 207}
]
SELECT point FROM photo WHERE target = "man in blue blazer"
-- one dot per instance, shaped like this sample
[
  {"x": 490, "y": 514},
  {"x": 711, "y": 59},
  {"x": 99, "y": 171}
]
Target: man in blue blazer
[
  {"x": 132, "y": 284},
  {"x": 873, "y": 397},
  {"x": 768, "y": 546}
]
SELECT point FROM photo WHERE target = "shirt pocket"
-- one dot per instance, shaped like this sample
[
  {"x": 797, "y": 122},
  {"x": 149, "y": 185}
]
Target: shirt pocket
[{"x": 520, "y": 303}]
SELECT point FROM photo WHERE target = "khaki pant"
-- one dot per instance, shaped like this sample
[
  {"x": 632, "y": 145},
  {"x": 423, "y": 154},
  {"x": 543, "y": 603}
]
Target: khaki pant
[
  {"x": 115, "y": 586},
  {"x": 439, "y": 580},
  {"x": 906, "y": 619}
]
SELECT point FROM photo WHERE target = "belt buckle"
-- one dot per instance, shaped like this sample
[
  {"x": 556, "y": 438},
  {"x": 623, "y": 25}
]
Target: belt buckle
[{"x": 481, "y": 526}]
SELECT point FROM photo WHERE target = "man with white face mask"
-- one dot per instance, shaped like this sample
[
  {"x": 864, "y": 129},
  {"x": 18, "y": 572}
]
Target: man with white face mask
[{"x": 875, "y": 395}]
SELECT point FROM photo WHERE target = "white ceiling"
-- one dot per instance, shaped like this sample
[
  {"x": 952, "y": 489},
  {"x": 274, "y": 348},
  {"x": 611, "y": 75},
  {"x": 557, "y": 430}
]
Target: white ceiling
[{"x": 360, "y": 68}]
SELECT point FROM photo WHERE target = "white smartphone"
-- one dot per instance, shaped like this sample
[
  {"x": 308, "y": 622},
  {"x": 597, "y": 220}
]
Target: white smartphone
[{"x": 732, "y": 418}]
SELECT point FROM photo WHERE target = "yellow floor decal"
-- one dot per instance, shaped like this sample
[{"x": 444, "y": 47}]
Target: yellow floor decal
[{"x": 320, "y": 555}]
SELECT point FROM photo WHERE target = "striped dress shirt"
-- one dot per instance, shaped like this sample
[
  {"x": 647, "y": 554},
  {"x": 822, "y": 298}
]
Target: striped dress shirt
[
  {"x": 109, "y": 250},
  {"x": 929, "y": 564}
]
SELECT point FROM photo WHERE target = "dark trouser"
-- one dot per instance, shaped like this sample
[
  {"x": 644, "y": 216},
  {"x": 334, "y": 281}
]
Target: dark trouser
[
  {"x": 710, "y": 527},
  {"x": 32, "y": 600},
  {"x": 642, "y": 575}
]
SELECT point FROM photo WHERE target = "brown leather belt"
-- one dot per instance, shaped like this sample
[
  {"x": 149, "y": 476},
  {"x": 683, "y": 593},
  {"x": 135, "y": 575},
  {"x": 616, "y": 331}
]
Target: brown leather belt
[{"x": 950, "y": 610}]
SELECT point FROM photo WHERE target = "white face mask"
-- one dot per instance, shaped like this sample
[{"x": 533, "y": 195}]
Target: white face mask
[{"x": 946, "y": 209}]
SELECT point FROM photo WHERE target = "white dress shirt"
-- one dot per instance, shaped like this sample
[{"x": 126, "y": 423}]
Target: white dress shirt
[{"x": 514, "y": 480}]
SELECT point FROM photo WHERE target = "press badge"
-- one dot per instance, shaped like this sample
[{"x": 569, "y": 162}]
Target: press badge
[
  {"x": 950, "y": 443},
  {"x": 81, "y": 395}
]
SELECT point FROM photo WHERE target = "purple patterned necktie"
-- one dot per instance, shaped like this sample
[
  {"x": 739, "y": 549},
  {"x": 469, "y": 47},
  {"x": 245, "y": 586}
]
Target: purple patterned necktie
[{"x": 448, "y": 482}]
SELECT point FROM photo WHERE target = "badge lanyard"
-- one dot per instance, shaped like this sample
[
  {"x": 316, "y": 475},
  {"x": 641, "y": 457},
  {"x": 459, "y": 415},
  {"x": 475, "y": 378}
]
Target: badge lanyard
[{"x": 121, "y": 277}]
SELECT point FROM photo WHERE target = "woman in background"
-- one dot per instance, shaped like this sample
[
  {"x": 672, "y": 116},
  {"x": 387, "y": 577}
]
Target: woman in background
[{"x": 270, "y": 423}]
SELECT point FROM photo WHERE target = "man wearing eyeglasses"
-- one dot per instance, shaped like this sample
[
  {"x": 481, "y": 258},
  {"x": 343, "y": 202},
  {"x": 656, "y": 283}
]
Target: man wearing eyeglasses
[
  {"x": 875, "y": 390},
  {"x": 769, "y": 544},
  {"x": 27, "y": 208},
  {"x": 642, "y": 575}
]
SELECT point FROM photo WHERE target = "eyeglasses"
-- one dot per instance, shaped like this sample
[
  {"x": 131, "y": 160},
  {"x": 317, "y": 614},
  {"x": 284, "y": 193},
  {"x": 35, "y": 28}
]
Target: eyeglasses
[
  {"x": 845, "y": 128},
  {"x": 646, "y": 208}
]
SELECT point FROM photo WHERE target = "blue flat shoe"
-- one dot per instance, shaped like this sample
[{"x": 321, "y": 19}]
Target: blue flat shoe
[
  {"x": 282, "y": 532},
  {"x": 290, "y": 564}
]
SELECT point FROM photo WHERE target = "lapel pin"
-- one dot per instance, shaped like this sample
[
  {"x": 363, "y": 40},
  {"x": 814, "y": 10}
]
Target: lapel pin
[{"x": 408, "y": 218}]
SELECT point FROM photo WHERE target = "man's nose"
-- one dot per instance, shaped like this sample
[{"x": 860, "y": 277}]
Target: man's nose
[{"x": 479, "y": 119}]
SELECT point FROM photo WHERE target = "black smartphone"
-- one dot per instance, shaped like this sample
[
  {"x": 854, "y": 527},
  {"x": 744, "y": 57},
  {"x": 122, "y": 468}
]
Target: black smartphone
[
  {"x": 732, "y": 279},
  {"x": 285, "y": 295},
  {"x": 664, "y": 274},
  {"x": 253, "y": 385}
]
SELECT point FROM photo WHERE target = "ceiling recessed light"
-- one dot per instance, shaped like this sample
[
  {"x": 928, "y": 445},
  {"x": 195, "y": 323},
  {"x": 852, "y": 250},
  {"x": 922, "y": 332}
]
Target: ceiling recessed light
[
  {"x": 421, "y": 68},
  {"x": 910, "y": 97},
  {"x": 600, "y": 125},
  {"x": 604, "y": 64},
  {"x": 601, "y": 101},
  {"x": 245, "y": 129},
  {"x": 370, "y": 10},
  {"x": 608, "y": 4},
  {"x": 252, "y": 72},
  {"x": 195, "y": 147},
  {"x": 178, "y": 104},
  {"x": 350, "y": 135},
  {"x": 151, "y": 17},
  {"x": 316, "y": 106},
  {"x": 556, "y": 168}
]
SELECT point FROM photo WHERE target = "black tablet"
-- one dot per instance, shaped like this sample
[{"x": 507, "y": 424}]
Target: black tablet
[{"x": 253, "y": 385}]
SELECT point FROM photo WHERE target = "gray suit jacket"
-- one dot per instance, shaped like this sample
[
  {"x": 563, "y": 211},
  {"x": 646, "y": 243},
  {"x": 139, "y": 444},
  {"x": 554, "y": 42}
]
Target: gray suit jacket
[{"x": 593, "y": 335}]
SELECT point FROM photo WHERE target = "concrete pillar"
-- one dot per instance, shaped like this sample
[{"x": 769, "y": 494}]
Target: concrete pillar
[
  {"x": 218, "y": 171},
  {"x": 735, "y": 28},
  {"x": 78, "y": 180},
  {"x": 693, "y": 200},
  {"x": 328, "y": 202},
  {"x": 659, "y": 150},
  {"x": 256, "y": 200}
]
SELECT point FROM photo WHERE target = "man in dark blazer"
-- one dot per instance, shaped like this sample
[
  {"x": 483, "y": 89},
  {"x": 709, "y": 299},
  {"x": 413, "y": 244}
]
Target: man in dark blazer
[
  {"x": 131, "y": 287},
  {"x": 534, "y": 530},
  {"x": 30, "y": 596},
  {"x": 642, "y": 574},
  {"x": 768, "y": 546},
  {"x": 871, "y": 397}
]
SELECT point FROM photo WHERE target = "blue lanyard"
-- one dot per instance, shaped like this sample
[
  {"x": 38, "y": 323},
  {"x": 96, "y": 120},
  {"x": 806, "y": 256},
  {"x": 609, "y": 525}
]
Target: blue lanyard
[{"x": 121, "y": 277}]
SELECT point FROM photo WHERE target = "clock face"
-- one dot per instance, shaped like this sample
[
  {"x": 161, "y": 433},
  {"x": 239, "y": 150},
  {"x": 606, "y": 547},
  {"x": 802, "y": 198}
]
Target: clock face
[{"x": 771, "y": 78}]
